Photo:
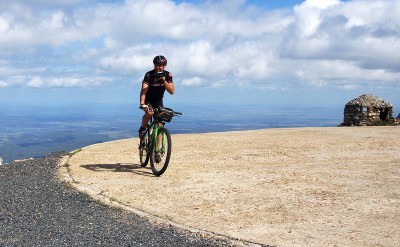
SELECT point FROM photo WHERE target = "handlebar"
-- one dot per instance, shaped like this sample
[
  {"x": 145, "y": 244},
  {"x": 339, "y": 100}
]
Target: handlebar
[
  {"x": 177, "y": 113},
  {"x": 160, "y": 108}
]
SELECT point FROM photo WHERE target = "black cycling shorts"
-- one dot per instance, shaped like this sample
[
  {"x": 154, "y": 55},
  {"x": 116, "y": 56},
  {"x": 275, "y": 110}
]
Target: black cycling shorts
[{"x": 154, "y": 104}]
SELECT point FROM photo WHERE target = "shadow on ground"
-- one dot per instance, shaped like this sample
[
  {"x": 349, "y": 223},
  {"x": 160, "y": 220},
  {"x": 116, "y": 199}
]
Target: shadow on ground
[{"x": 119, "y": 167}]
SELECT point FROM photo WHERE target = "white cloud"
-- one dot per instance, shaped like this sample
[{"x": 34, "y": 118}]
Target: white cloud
[
  {"x": 67, "y": 82},
  {"x": 195, "y": 81},
  {"x": 4, "y": 25},
  {"x": 54, "y": 22},
  {"x": 309, "y": 15},
  {"x": 317, "y": 44},
  {"x": 123, "y": 63},
  {"x": 35, "y": 82}
]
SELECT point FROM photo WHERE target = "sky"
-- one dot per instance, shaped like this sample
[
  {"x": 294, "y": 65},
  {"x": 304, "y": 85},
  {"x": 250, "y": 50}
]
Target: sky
[{"x": 275, "y": 53}]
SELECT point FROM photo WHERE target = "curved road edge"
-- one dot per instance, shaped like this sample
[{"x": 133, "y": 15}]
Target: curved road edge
[{"x": 65, "y": 176}]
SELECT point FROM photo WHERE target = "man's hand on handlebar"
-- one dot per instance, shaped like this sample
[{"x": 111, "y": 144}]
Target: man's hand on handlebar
[{"x": 143, "y": 106}]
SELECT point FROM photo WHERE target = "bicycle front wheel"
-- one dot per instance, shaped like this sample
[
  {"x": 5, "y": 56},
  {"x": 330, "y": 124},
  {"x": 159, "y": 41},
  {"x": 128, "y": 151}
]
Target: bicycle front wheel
[{"x": 161, "y": 153}]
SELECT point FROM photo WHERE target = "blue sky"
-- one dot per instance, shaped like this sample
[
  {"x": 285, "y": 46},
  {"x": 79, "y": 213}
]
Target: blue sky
[{"x": 313, "y": 52}]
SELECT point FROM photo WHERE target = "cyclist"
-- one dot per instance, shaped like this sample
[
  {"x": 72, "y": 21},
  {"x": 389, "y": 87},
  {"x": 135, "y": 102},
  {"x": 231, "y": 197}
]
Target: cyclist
[{"x": 154, "y": 84}]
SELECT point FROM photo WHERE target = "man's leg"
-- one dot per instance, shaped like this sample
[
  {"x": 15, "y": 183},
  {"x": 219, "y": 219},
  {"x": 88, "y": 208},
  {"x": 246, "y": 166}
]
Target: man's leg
[
  {"x": 148, "y": 113},
  {"x": 145, "y": 119}
]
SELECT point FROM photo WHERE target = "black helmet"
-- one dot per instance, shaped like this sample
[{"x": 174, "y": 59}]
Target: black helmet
[{"x": 160, "y": 59}]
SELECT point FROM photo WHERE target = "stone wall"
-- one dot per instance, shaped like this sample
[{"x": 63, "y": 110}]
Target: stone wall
[
  {"x": 357, "y": 116},
  {"x": 367, "y": 110}
]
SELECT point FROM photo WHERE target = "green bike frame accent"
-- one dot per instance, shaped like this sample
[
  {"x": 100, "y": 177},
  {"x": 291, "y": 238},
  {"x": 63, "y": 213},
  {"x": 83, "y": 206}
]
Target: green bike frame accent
[{"x": 155, "y": 134}]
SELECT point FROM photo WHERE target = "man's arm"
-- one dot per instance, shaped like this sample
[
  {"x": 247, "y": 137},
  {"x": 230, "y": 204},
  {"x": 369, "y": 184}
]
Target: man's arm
[
  {"x": 169, "y": 86},
  {"x": 143, "y": 92}
]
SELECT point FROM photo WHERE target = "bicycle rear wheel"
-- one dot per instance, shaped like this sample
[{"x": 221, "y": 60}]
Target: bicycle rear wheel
[
  {"x": 159, "y": 158},
  {"x": 144, "y": 155}
]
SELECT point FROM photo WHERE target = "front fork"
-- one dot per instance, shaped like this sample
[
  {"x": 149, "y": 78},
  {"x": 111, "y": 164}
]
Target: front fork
[
  {"x": 155, "y": 139},
  {"x": 155, "y": 134}
]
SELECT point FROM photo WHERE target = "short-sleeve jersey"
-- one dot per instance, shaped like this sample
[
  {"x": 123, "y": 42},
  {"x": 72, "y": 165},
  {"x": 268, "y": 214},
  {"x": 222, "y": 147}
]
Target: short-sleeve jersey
[{"x": 156, "y": 88}]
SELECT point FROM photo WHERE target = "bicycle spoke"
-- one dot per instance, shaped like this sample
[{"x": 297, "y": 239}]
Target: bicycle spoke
[
  {"x": 159, "y": 159},
  {"x": 144, "y": 150}
]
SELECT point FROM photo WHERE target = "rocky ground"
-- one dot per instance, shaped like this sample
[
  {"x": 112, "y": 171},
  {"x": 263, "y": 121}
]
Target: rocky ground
[{"x": 36, "y": 209}]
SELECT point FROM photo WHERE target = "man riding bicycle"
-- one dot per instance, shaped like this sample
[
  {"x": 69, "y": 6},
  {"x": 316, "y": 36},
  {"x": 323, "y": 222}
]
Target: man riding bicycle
[{"x": 154, "y": 84}]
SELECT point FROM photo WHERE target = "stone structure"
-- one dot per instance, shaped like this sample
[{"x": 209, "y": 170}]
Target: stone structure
[
  {"x": 397, "y": 120},
  {"x": 367, "y": 110}
]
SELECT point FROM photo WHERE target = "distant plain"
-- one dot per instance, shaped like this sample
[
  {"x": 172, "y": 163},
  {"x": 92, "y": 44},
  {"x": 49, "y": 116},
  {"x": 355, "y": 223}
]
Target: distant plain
[{"x": 34, "y": 131}]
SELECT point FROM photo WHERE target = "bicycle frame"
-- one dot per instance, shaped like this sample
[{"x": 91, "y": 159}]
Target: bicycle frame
[
  {"x": 153, "y": 135},
  {"x": 155, "y": 146}
]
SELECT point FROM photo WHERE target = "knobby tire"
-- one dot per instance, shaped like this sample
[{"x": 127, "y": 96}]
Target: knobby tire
[
  {"x": 144, "y": 154},
  {"x": 160, "y": 167}
]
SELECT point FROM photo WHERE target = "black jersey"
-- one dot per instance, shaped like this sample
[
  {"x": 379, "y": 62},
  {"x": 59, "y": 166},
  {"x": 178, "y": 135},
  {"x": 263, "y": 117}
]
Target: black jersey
[{"x": 155, "y": 92}]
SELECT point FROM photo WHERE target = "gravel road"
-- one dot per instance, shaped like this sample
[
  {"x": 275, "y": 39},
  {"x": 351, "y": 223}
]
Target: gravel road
[{"x": 36, "y": 209}]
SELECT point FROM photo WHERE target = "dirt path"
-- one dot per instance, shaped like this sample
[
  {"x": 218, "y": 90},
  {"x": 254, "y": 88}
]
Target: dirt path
[{"x": 285, "y": 187}]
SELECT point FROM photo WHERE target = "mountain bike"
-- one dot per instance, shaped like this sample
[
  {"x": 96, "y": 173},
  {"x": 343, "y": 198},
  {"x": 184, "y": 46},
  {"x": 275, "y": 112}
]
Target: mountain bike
[{"x": 156, "y": 143}]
